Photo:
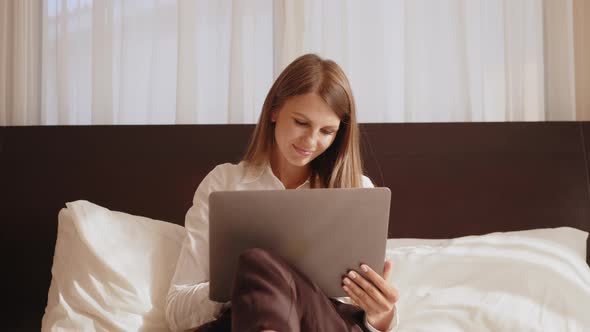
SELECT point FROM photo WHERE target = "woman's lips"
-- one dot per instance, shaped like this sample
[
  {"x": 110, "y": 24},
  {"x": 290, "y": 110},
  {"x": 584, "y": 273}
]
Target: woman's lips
[{"x": 302, "y": 152}]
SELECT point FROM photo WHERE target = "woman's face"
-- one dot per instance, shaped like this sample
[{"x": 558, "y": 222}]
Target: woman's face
[{"x": 305, "y": 126}]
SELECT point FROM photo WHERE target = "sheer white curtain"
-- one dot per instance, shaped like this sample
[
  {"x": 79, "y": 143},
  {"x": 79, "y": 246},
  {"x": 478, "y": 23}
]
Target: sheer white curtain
[
  {"x": 155, "y": 61},
  {"x": 444, "y": 60},
  {"x": 212, "y": 61}
]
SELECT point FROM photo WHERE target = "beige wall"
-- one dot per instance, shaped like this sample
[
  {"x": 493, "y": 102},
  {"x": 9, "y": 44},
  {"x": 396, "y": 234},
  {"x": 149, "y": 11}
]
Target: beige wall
[{"x": 582, "y": 56}]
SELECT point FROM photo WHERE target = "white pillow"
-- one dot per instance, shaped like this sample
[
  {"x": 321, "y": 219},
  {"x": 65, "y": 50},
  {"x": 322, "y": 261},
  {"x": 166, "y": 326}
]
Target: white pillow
[
  {"x": 569, "y": 238},
  {"x": 111, "y": 270},
  {"x": 515, "y": 281}
]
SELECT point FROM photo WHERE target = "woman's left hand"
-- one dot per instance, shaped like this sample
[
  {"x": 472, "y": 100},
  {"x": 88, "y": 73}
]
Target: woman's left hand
[{"x": 374, "y": 294}]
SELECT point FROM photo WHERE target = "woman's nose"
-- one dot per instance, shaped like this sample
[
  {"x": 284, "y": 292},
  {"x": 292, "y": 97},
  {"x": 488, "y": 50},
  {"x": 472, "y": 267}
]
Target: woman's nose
[{"x": 310, "y": 138}]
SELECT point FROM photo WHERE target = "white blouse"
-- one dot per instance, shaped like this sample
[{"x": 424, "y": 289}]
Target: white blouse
[{"x": 187, "y": 304}]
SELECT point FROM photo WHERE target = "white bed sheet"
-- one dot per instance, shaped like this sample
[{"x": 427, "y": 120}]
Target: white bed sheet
[{"x": 491, "y": 283}]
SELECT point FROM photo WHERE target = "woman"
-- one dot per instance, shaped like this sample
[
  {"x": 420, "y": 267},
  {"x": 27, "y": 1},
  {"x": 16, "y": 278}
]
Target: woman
[{"x": 306, "y": 137}]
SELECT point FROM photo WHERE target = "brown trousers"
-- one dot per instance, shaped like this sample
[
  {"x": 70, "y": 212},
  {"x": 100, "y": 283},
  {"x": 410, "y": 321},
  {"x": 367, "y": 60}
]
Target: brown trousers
[{"x": 270, "y": 294}]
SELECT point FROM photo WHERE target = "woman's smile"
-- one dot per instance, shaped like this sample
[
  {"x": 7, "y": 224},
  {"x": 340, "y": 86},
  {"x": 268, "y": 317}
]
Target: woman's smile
[{"x": 302, "y": 152}]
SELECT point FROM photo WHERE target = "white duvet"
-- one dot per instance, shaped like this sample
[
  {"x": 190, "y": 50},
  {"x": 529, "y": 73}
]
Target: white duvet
[
  {"x": 491, "y": 283},
  {"x": 111, "y": 271}
]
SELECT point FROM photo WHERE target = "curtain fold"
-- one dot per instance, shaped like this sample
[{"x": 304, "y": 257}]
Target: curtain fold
[
  {"x": 560, "y": 92},
  {"x": 582, "y": 58},
  {"x": 213, "y": 61},
  {"x": 20, "y": 62}
]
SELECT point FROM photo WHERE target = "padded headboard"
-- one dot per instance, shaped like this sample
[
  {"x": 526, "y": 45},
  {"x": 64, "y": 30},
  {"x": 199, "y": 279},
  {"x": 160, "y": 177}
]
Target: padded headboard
[{"x": 446, "y": 179}]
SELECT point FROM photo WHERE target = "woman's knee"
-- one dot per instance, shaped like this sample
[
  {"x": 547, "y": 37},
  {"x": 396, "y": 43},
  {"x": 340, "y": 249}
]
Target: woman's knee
[
  {"x": 257, "y": 256},
  {"x": 259, "y": 264}
]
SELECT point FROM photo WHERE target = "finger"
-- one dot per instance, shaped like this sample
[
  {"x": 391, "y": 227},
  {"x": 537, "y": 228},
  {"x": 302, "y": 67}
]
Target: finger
[
  {"x": 368, "y": 288},
  {"x": 384, "y": 286},
  {"x": 353, "y": 298},
  {"x": 358, "y": 295},
  {"x": 387, "y": 270},
  {"x": 373, "y": 276}
]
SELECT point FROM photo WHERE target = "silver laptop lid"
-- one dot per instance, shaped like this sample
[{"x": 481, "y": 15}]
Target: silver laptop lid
[{"x": 321, "y": 232}]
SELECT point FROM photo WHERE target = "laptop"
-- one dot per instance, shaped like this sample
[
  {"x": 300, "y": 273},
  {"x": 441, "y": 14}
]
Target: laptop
[{"x": 323, "y": 233}]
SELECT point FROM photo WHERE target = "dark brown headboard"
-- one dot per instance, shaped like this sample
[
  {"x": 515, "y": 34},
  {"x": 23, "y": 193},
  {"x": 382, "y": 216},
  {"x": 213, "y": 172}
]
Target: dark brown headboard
[{"x": 447, "y": 180}]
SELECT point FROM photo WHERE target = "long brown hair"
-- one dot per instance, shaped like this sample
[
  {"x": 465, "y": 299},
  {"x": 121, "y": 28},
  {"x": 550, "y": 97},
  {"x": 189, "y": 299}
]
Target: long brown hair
[{"x": 340, "y": 166}]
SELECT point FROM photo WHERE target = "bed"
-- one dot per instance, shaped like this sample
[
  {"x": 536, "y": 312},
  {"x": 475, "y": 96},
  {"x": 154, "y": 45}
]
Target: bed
[{"x": 500, "y": 202}]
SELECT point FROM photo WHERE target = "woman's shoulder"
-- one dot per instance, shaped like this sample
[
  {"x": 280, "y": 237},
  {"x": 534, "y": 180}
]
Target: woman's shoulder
[
  {"x": 227, "y": 171},
  {"x": 221, "y": 177},
  {"x": 226, "y": 168}
]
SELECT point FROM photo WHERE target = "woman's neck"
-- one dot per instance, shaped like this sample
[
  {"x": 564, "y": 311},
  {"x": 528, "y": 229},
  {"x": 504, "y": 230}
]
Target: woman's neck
[{"x": 291, "y": 176}]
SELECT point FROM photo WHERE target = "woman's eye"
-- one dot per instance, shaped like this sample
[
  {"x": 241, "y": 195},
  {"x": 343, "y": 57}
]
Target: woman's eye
[
  {"x": 300, "y": 122},
  {"x": 328, "y": 132}
]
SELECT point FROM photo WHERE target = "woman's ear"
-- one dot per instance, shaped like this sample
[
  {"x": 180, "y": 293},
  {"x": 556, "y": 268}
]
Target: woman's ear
[{"x": 273, "y": 116}]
